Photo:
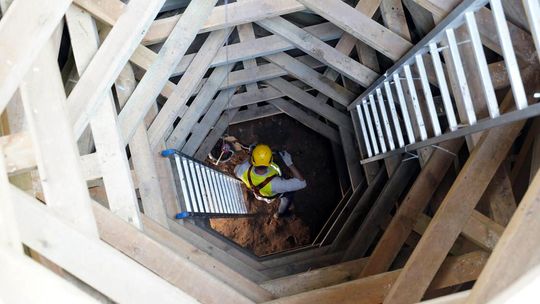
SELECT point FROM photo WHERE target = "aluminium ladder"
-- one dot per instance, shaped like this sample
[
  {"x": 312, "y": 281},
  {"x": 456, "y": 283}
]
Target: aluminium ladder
[
  {"x": 389, "y": 118},
  {"x": 205, "y": 192}
]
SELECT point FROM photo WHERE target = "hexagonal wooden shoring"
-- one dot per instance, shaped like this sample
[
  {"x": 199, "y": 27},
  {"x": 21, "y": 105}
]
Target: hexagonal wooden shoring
[{"x": 50, "y": 126}]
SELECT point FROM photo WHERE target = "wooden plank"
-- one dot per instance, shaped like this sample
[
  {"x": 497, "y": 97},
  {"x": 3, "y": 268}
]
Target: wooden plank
[
  {"x": 413, "y": 204},
  {"x": 99, "y": 76},
  {"x": 250, "y": 49},
  {"x": 393, "y": 17},
  {"x": 306, "y": 74},
  {"x": 173, "y": 268},
  {"x": 312, "y": 103},
  {"x": 200, "y": 130},
  {"x": 500, "y": 197},
  {"x": 19, "y": 272},
  {"x": 142, "y": 155},
  {"x": 517, "y": 250},
  {"x": 200, "y": 104},
  {"x": 373, "y": 289},
  {"x": 360, "y": 26},
  {"x": 205, "y": 261},
  {"x": 24, "y": 31},
  {"x": 236, "y": 14},
  {"x": 314, "y": 279},
  {"x": 58, "y": 161},
  {"x": 225, "y": 244},
  {"x": 359, "y": 210},
  {"x": 264, "y": 94},
  {"x": 453, "y": 213},
  {"x": 215, "y": 134},
  {"x": 364, "y": 237},
  {"x": 169, "y": 56},
  {"x": 302, "y": 266},
  {"x": 253, "y": 114},
  {"x": 306, "y": 120},
  {"x": 320, "y": 50},
  {"x": 176, "y": 103},
  {"x": 103, "y": 267},
  {"x": 113, "y": 160},
  {"x": 9, "y": 235}
]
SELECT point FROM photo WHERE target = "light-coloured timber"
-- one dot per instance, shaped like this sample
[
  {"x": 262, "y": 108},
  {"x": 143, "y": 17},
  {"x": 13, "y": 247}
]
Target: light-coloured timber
[
  {"x": 314, "y": 279},
  {"x": 360, "y": 26},
  {"x": 99, "y": 76},
  {"x": 453, "y": 213},
  {"x": 516, "y": 252},
  {"x": 24, "y": 30},
  {"x": 176, "y": 103},
  {"x": 58, "y": 162},
  {"x": 319, "y": 50},
  {"x": 104, "y": 268},
  {"x": 108, "y": 141},
  {"x": 374, "y": 288},
  {"x": 306, "y": 120},
  {"x": 311, "y": 103},
  {"x": 162, "y": 67}
]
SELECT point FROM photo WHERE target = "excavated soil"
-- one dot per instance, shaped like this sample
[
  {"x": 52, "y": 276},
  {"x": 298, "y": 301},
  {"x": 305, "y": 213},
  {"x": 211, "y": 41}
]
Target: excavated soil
[{"x": 312, "y": 154}]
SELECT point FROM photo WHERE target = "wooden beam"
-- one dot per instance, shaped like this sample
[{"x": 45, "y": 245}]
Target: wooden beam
[
  {"x": 359, "y": 210},
  {"x": 314, "y": 279},
  {"x": 173, "y": 268},
  {"x": 200, "y": 104},
  {"x": 306, "y": 74},
  {"x": 456, "y": 270},
  {"x": 103, "y": 267},
  {"x": 162, "y": 67},
  {"x": 255, "y": 113},
  {"x": 176, "y": 103},
  {"x": 413, "y": 204},
  {"x": 58, "y": 161},
  {"x": 24, "y": 30},
  {"x": 320, "y": 50},
  {"x": 360, "y": 26},
  {"x": 311, "y": 103},
  {"x": 367, "y": 232},
  {"x": 99, "y": 76},
  {"x": 517, "y": 250},
  {"x": 302, "y": 266},
  {"x": 236, "y": 52},
  {"x": 454, "y": 211},
  {"x": 227, "y": 16},
  {"x": 306, "y": 120},
  {"x": 219, "y": 249},
  {"x": 205, "y": 261},
  {"x": 200, "y": 130},
  {"x": 142, "y": 156},
  {"x": 500, "y": 197},
  {"x": 112, "y": 156},
  {"x": 9, "y": 235},
  {"x": 19, "y": 272},
  {"x": 215, "y": 134}
]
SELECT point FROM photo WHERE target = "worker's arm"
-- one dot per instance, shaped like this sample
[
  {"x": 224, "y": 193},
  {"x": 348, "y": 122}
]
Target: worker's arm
[{"x": 296, "y": 173}]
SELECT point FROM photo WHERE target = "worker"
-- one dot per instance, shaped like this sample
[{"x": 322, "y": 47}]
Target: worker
[{"x": 263, "y": 177}]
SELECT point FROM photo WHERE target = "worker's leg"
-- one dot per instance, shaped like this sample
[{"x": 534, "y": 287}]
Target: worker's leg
[{"x": 286, "y": 201}]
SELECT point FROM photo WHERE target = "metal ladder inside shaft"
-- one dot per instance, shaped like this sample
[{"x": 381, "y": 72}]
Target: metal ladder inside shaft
[
  {"x": 389, "y": 116},
  {"x": 205, "y": 192}
]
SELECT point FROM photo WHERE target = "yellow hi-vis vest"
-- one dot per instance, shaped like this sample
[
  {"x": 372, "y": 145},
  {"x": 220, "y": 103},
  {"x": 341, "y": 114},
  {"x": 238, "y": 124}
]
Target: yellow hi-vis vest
[{"x": 266, "y": 191}]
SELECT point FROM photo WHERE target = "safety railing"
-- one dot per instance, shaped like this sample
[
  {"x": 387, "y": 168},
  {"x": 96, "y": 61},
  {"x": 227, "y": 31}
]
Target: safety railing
[
  {"x": 391, "y": 113},
  {"x": 205, "y": 192}
]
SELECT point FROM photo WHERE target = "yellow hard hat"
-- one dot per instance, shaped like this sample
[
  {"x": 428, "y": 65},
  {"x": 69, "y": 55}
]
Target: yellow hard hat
[{"x": 261, "y": 156}]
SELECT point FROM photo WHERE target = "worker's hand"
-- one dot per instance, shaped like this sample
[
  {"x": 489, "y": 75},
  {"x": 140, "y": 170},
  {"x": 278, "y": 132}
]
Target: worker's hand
[{"x": 287, "y": 159}]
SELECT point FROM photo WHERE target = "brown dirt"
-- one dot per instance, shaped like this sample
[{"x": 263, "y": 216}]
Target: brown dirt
[{"x": 312, "y": 155}]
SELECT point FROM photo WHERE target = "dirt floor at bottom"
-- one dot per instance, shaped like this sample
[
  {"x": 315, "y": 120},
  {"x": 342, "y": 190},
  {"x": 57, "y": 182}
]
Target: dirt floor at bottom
[{"x": 312, "y": 154}]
